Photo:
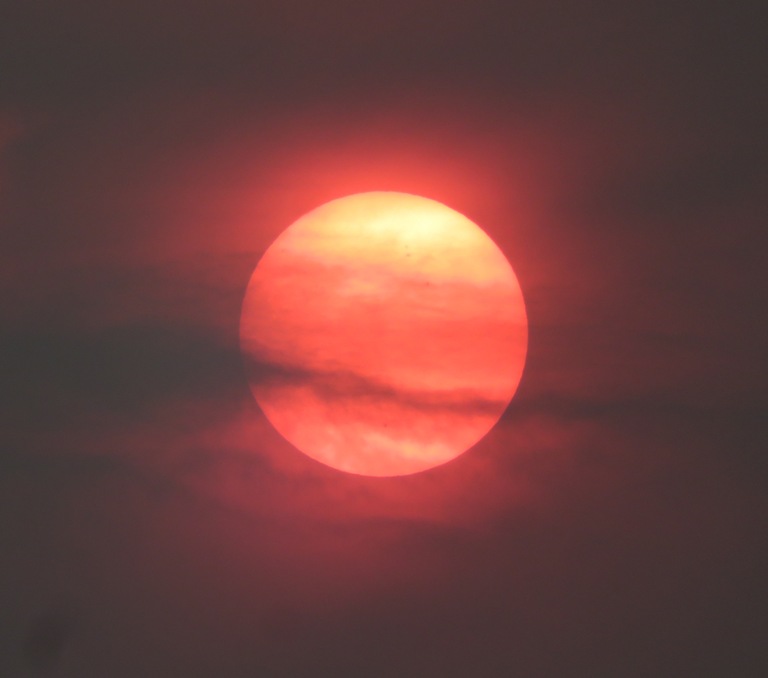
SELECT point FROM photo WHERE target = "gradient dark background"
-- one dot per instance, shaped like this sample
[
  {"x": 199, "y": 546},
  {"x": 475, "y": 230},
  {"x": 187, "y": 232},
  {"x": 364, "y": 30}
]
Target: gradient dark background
[{"x": 151, "y": 521}]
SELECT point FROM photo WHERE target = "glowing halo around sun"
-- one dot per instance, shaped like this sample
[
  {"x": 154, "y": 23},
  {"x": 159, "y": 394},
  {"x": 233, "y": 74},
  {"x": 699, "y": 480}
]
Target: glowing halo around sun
[{"x": 383, "y": 333}]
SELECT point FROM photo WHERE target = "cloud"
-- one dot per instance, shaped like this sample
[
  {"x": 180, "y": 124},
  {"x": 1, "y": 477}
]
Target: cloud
[
  {"x": 341, "y": 384},
  {"x": 126, "y": 372}
]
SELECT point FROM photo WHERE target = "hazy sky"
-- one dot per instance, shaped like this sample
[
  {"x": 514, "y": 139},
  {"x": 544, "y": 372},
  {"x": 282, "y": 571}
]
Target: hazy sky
[{"x": 152, "y": 523}]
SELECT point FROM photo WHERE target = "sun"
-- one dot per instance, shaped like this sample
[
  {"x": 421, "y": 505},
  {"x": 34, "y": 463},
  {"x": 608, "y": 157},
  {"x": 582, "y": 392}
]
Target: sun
[{"x": 383, "y": 333}]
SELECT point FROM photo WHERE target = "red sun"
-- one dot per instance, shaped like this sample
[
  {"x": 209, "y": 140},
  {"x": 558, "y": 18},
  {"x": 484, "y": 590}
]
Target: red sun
[{"x": 383, "y": 333}]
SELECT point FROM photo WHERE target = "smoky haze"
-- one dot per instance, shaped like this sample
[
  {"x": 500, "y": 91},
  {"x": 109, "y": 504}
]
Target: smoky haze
[{"x": 152, "y": 523}]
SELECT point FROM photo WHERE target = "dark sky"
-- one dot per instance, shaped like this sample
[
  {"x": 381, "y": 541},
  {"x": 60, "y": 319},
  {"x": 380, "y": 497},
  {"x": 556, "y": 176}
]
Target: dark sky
[{"x": 151, "y": 521}]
